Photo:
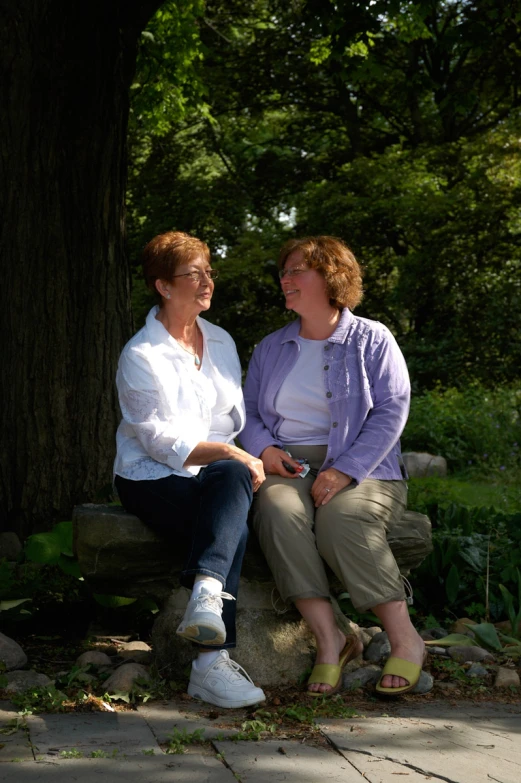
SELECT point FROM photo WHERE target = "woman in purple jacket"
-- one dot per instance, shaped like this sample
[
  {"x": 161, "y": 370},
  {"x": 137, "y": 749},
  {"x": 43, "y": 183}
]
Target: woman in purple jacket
[{"x": 332, "y": 390}]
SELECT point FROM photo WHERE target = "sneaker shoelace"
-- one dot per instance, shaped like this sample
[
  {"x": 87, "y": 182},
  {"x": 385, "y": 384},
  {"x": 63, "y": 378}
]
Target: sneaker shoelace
[
  {"x": 232, "y": 669},
  {"x": 211, "y": 602}
]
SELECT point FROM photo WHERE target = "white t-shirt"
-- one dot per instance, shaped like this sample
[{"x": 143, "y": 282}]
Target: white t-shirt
[{"x": 301, "y": 399}]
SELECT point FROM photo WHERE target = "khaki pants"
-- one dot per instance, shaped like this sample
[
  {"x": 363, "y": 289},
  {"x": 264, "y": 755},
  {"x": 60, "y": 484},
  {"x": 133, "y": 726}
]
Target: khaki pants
[{"x": 348, "y": 533}]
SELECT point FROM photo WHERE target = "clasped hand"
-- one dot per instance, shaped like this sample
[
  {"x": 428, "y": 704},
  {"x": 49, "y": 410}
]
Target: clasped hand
[{"x": 326, "y": 485}]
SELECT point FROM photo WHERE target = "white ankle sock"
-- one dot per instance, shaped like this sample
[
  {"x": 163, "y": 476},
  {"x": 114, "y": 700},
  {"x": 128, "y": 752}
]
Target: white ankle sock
[
  {"x": 205, "y": 659},
  {"x": 209, "y": 583}
]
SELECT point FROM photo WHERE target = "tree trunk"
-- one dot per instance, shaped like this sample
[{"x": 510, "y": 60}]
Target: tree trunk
[{"x": 65, "y": 312}]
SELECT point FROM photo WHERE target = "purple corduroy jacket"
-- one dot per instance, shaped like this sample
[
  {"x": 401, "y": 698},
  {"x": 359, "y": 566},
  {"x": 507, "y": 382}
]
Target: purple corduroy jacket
[{"x": 367, "y": 389}]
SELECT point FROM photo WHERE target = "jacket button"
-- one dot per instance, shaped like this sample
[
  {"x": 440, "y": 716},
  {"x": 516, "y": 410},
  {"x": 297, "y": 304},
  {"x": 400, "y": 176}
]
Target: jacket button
[
  {"x": 327, "y": 347},
  {"x": 326, "y": 367},
  {"x": 335, "y": 424},
  {"x": 330, "y": 460},
  {"x": 329, "y": 394}
]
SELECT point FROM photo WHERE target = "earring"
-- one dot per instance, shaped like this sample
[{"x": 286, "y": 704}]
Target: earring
[{"x": 168, "y": 296}]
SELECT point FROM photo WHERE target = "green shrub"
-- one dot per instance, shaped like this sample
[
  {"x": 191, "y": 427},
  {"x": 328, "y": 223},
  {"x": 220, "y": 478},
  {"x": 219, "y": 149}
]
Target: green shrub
[
  {"x": 476, "y": 557},
  {"x": 473, "y": 428}
]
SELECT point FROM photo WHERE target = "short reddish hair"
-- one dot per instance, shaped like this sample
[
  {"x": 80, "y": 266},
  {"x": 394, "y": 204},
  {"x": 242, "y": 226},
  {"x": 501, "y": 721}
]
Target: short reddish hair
[
  {"x": 335, "y": 262},
  {"x": 163, "y": 254}
]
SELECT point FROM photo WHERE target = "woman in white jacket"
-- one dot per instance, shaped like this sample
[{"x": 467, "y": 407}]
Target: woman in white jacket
[{"x": 177, "y": 469}]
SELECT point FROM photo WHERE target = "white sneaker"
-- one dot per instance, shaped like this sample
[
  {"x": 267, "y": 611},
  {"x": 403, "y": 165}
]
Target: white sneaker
[
  {"x": 225, "y": 684},
  {"x": 202, "y": 619}
]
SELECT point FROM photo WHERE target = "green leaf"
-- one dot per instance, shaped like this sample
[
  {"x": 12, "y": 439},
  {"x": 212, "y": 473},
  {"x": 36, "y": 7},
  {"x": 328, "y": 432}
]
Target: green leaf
[
  {"x": 119, "y": 695},
  {"x": 487, "y": 635},
  {"x": 113, "y": 601},
  {"x": 452, "y": 584},
  {"x": 43, "y": 548},
  {"x": 69, "y": 565},
  {"x": 454, "y": 640},
  {"x": 63, "y": 532},
  {"x": 6, "y": 605}
]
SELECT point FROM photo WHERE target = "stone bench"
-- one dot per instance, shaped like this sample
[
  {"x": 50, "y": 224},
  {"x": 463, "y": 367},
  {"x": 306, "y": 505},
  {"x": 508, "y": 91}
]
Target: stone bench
[{"x": 119, "y": 555}]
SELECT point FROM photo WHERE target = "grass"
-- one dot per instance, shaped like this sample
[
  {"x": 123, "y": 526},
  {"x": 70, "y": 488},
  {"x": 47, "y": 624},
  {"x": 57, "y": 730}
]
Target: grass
[{"x": 501, "y": 493}]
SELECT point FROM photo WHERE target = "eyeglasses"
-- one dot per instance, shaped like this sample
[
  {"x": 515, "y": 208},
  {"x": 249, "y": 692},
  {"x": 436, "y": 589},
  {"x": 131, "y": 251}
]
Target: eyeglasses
[
  {"x": 196, "y": 277},
  {"x": 293, "y": 272}
]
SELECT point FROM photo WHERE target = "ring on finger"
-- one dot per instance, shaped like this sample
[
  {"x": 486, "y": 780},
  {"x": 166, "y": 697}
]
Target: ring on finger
[{"x": 327, "y": 489}]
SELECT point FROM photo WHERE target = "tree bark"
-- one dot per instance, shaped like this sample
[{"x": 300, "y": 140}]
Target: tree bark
[{"x": 65, "y": 71}]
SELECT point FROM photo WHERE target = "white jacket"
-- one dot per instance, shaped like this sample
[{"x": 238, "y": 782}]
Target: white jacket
[{"x": 167, "y": 404}]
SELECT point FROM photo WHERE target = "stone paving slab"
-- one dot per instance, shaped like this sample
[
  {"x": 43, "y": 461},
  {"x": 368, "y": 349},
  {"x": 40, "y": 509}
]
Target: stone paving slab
[
  {"x": 16, "y": 745},
  {"x": 124, "y": 732},
  {"x": 274, "y": 761},
  {"x": 376, "y": 770},
  {"x": 451, "y": 745},
  {"x": 163, "y": 718},
  {"x": 190, "y": 768}
]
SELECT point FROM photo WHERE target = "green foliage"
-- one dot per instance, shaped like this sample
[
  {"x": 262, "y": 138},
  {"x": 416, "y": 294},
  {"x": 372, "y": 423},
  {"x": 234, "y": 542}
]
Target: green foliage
[
  {"x": 53, "y": 548},
  {"x": 254, "y": 729},
  {"x": 513, "y": 611},
  {"x": 46, "y": 698},
  {"x": 475, "y": 550},
  {"x": 392, "y": 125},
  {"x": 178, "y": 739},
  {"x": 474, "y": 428},
  {"x": 74, "y": 753}
]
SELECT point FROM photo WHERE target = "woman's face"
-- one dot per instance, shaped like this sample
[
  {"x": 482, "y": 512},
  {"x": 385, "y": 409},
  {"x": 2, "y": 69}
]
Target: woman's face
[
  {"x": 304, "y": 288},
  {"x": 191, "y": 288}
]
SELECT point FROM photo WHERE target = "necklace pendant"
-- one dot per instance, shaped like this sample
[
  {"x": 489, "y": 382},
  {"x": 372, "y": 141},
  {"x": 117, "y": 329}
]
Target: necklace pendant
[{"x": 197, "y": 360}]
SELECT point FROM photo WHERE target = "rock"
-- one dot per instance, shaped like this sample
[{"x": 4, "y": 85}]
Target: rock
[
  {"x": 379, "y": 649},
  {"x": 131, "y": 646},
  {"x": 438, "y": 650},
  {"x": 93, "y": 657},
  {"x": 419, "y": 464},
  {"x": 506, "y": 678},
  {"x": 11, "y": 654},
  {"x": 10, "y": 547},
  {"x": 424, "y": 684},
  {"x": 119, "y": 555},
  {"x": 356, "y": 663},
  {"x": 468, "y": 654},
  {"x": 438, "y": 633},
  {"x": 123, "y": 679},
  {"x": 427, "y": 636},
  {"x": 365, "y": 638},
  {"x": 505, "y": 626},
  {"x": 444, "y": 685},
  {"x": 140, "y": 652},
  {"x": 460, "y": 626},
  {"x": 372, "y": 631},
  {"x": 20, "y": 681},
  {"x": 274, "y": 650},
  {"x": 368, "y": 675},
  {"x": 139, "y": 656},
  {"x": 477, "y": 671}
]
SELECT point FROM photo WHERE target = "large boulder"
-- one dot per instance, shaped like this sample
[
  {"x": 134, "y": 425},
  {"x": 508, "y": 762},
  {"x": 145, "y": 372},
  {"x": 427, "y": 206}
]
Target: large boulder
[
  {"x": 119, "y": 555},
  {"x": 420, "y": 464},
  {"x": 11, "y": 654}
]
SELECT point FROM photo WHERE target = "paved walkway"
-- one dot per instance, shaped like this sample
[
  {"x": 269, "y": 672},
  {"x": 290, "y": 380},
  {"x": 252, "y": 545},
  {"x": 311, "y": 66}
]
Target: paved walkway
[{"x": 467, "y": 743}]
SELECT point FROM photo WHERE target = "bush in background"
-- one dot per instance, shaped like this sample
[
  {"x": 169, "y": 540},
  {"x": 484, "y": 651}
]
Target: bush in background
[{"x": 475, "y": 429}]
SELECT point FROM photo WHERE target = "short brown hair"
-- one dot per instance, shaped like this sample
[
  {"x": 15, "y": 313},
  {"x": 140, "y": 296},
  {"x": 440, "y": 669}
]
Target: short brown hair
[
  {"x": 163, "y": 254},
  {"x": 335, "y": 262}
]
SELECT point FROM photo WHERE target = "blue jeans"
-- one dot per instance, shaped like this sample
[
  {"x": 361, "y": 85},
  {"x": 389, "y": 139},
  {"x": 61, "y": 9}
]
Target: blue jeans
[{"x": 207, "y": 515}]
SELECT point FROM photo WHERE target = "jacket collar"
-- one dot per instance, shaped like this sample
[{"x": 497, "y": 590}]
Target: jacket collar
[{"x": 339, "y": 335}]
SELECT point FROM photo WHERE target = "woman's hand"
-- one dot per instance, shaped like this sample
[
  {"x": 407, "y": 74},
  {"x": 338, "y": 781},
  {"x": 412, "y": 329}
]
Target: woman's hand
[
  {"x": 327, "y": 484},
  {"x": 253, "y": 464},
  {"x": 272, "y": 459}
]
